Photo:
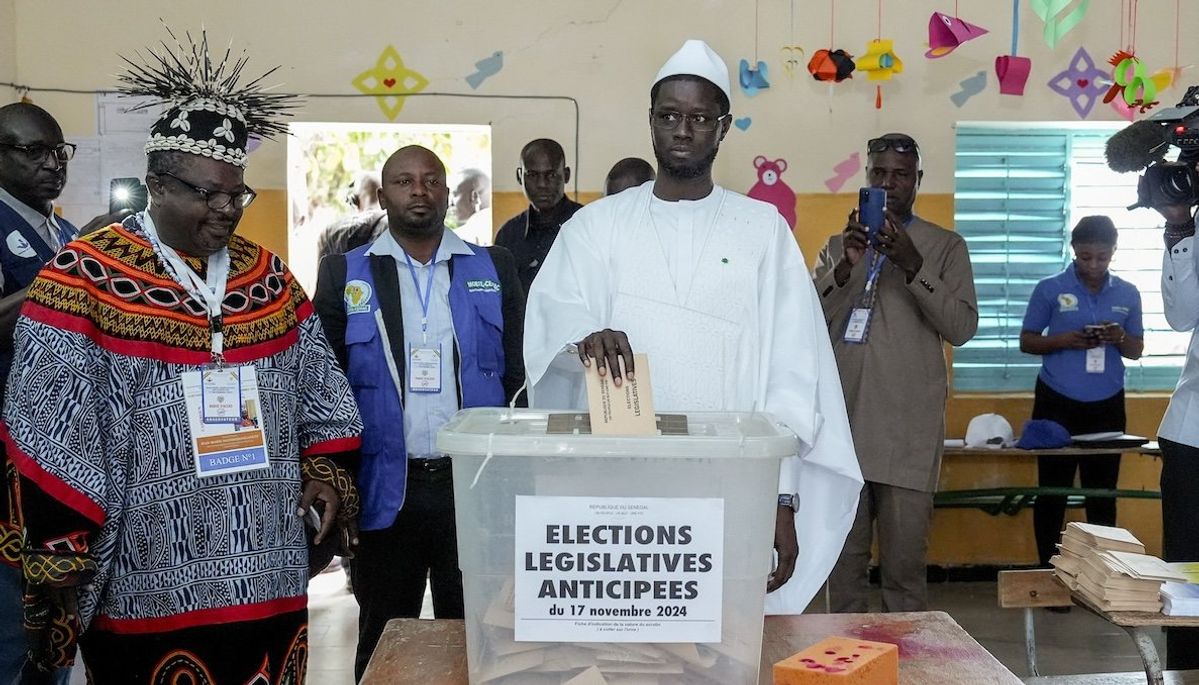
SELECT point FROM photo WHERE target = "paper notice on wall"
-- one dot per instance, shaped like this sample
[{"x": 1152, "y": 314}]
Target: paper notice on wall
[
  {"x": 97, "y": 161},
  {"x": 624, "y": 410},
  {"x": 619, "y": 569},
  {"x": 114, "y": 115},
  {"x": 81, "y": 198}
]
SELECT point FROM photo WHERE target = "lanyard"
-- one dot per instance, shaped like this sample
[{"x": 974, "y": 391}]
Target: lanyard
[
  {"x": 210, "y": 292},
  {"x": 425, "y": 297},
  {"x": 872, "y": 273}
]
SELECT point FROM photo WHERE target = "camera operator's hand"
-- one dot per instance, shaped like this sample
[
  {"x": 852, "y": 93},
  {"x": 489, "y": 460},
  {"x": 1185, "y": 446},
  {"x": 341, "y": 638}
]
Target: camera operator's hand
[{"x": 1175, "y": 215}]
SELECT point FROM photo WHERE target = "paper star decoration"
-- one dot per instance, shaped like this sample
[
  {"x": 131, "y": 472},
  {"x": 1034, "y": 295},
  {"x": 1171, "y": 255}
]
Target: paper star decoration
[
  {"x": 1080, "y": 83},
  {"x": 390, "y": 81}
]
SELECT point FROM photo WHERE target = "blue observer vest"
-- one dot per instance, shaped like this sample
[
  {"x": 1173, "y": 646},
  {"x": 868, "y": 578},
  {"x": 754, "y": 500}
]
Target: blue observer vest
[
  {"x": 476, "y": 308},
  {"x": 23, "y": 253}
]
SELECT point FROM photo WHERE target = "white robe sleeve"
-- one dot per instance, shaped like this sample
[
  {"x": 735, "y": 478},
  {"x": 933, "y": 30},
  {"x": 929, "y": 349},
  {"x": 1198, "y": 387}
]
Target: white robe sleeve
[
  {"x": 568, "y": 301},
  {"x": 803, "y": 390}
]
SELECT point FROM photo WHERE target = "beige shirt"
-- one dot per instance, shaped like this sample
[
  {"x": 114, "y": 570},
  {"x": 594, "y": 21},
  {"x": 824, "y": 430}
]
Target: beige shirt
[{"x": 895, "y": 384}]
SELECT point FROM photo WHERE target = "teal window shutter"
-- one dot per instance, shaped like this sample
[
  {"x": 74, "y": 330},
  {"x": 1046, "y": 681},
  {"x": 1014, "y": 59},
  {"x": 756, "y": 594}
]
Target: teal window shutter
[
  {"x": 1018, "y": 193},
  {"x": 1011, "y": 194}
]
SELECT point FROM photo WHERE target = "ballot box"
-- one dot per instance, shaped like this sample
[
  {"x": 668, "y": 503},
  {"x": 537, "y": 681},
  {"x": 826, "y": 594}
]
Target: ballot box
[{"x": 613, "y": 559}]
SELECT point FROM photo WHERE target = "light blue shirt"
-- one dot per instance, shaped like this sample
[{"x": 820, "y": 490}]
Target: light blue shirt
[{"x": 426, "y": 412}]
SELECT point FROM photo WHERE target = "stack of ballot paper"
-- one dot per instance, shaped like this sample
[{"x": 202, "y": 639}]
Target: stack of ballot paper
[
  {"x": 1109, "y": 568},
  {"x": 1182, "y": 599}
]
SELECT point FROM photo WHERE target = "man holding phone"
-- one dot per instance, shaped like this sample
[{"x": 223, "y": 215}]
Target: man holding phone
[
  {"x": 890, "y": 303},
  {"x": 1083, "y": 323},
  {"x": 33, "y": 172}
]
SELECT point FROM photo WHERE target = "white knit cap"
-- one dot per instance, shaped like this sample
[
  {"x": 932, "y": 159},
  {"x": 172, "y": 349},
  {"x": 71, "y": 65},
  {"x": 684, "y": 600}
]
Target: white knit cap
[{"x": 695, "y": 58}]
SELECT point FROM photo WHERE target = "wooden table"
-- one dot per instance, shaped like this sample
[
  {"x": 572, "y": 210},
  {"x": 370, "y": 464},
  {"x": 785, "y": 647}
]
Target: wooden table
[
  {"x": 1011, "y": 500},
  {"x": 933, "y": 648},
  {"x": 1149, "y": 449}
]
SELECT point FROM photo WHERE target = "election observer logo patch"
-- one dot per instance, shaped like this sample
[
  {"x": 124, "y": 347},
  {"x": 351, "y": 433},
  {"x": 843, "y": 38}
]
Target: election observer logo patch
[
  {"x": 1068, "y": 302},
  {"x": 358, "y": 297}
]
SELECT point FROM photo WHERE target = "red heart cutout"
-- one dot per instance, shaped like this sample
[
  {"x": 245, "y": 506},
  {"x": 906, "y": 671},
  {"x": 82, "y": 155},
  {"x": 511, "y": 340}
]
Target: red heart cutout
[
  {"x": 389, "y": 82},
  {"x": 1082, "y": 82}
]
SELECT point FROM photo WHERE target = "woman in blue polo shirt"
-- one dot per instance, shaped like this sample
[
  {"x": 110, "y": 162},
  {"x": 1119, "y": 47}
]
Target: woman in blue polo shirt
[{"x": 1083, "y": 322}]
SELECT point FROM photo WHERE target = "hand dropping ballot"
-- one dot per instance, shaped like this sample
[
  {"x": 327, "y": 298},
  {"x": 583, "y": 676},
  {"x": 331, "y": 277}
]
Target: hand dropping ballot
[{"x": 624, "y": 410}]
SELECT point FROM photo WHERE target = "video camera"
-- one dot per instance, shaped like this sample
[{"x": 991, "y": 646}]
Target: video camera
[{"x": 1143, "y": 145}]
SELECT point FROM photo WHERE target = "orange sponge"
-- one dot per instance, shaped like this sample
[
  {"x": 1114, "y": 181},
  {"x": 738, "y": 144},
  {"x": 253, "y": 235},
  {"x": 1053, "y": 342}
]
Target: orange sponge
[{"x": 841, "y": 660}]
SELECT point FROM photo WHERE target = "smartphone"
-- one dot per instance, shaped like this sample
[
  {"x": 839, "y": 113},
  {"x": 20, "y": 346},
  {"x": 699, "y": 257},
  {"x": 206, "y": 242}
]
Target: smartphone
[
  {"x": 127, "y": 193},
  {"x": 1094, "y": 330},
  {"x": 872, "y": 211}
]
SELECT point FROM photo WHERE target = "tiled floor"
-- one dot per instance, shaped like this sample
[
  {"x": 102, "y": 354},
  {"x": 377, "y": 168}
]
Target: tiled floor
[{"x": 1076, "y": 642}]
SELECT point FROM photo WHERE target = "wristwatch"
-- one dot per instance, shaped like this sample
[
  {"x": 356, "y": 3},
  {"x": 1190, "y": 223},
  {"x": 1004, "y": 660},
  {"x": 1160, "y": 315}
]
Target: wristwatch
[{"x": 791, "y": 501}]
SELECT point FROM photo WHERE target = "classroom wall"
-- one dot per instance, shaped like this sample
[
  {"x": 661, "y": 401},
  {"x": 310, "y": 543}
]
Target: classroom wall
[
  {"x": 604, "y": 53},
  {"x": 8, "y": 42}
]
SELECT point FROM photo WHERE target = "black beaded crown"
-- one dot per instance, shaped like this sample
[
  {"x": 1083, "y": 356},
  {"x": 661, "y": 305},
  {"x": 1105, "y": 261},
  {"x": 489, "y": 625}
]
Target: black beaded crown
[{"x": 207, "y": 112}]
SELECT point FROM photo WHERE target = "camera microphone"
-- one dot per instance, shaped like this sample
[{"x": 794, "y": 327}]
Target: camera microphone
[{"x": 1136, "y": 146}]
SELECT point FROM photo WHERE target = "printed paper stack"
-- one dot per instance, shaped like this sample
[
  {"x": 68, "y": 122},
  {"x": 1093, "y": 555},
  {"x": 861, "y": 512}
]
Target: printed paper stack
[
  {"x": 1108, "y": 568},
  {"x": 1079, "y": 540}
]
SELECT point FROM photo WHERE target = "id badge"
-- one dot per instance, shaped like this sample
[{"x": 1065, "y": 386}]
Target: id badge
[
  {"x": 1096, "y": 356},
  {"x": 220, "y": 394},
  {"x": 858, "y": 326},
  {"x": 424, "y": 368},
  {"x": 221, "y": 446}
]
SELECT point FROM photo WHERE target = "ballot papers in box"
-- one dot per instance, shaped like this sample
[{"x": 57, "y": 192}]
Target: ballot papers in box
[{"x": 614, "y": 558}]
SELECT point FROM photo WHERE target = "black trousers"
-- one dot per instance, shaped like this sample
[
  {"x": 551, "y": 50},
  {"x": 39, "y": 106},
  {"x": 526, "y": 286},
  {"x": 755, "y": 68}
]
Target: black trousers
[
  {"x": 391, "y": 565},
  {"x": 1098, "y": 471},
  {"x": 1180, "y": 535}
]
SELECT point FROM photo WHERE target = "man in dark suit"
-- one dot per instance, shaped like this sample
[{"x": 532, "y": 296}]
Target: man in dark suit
[{"x": 422, "y": 315}]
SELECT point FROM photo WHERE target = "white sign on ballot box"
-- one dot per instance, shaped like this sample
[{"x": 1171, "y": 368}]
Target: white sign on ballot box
[{"x": 619, "y": 569}]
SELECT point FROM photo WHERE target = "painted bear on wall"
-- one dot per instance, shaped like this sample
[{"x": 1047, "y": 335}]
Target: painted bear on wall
[{"x": 772, "y": 188}]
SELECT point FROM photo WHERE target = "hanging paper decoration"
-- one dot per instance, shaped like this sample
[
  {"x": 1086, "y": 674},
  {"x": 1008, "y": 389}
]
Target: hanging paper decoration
[
  {"x": 1060, "y": 17},
  {"x": 1013, "y": 70},
  {"x": 831, "y": 65},
  {"x": 792, "y": 56},
  {"x": 1123, "y": 109},
  {"x": 1080, "y": 83},
  {"x": 1131, "y": 79},
  {"x": 753, "y": 79},
  {"x": 880, "y": 61},
  {"x": 946, "y": 33}
]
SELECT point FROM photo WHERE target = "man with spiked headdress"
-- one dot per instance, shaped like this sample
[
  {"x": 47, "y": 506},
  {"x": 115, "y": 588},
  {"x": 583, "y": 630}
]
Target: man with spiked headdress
[{"x": 160, "y": 523}]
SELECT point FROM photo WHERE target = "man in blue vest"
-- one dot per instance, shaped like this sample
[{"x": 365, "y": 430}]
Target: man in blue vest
[
  {"x": 424, "y": 324},
  {"x": 33, "y": 171}
]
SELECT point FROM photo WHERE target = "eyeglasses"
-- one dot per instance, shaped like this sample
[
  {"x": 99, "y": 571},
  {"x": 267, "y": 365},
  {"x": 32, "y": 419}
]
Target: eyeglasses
[
  {"x": 218, "y": 199},
  {"x": 901, "y": 145},
  {"x": 38, "y": 153},
  {"x": 669, "y": 121}
]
